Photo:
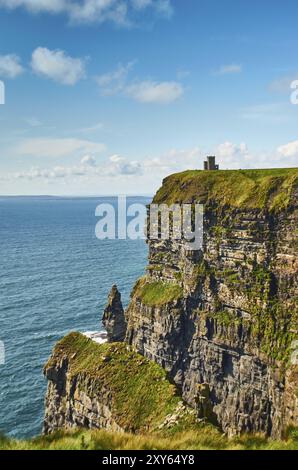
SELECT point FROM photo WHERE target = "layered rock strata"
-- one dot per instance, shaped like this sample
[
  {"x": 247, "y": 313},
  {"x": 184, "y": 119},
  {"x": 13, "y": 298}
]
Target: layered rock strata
[
  {"x": 232, "y": 324},
  {"x": 221, "y": 321}
]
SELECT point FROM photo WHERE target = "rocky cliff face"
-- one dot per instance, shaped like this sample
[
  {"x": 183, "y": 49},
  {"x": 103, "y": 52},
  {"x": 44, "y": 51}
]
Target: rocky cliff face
[
  {"x": 110, "y": 386},
  {"x": 75, "y": 401},
  {"x": 223, "y": 319}
]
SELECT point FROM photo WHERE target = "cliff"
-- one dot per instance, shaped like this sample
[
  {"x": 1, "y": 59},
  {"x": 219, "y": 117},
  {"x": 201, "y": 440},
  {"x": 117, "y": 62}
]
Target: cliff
[
  {"x": 224, "y": 318},
  {"x": 219, "y": 323},
  {"x": 110, "y": 386}
]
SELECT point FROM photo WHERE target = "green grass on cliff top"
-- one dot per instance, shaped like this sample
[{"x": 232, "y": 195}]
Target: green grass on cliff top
[
  {"x": 158, "y": 293},
  {"x": 139, "y": 393},
  {"x": 260, "y": 189},
  {"x": 204, "y": 438}
]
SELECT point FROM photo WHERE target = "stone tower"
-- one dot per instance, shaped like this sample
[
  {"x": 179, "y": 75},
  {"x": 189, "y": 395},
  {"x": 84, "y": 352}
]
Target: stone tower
[{"x": 210, "y": 164}]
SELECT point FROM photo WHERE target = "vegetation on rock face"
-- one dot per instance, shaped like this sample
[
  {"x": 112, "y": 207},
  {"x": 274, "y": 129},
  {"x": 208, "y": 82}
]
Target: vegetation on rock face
[
  {"x": 157, "y": 293},
  {"x": 140, "y": 396},
  {"x": 204, "y": 438},
  {"x": 271, "y": 189},
  {"x": 272, "y": 324}
]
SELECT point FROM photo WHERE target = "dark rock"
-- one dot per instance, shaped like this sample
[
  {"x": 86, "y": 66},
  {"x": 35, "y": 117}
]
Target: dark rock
[{"x": 113, "y": 318}]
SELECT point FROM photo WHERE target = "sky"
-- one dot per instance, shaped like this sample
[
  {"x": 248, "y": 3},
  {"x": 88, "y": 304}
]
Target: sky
[{"x": 110, "y": 96}]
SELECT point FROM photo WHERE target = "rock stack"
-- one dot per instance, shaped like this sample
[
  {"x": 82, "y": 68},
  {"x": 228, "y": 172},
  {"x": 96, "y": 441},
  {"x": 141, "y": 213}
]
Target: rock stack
[{"x": 113, "y": 318}]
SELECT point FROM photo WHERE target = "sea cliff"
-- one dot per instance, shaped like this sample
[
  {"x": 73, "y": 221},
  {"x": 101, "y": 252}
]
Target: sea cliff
[{"x": 221, "y": 322}]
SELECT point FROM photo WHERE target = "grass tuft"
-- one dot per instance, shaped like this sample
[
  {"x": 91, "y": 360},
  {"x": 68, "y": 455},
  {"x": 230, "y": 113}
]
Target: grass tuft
[{"x": 204, "y": 438}]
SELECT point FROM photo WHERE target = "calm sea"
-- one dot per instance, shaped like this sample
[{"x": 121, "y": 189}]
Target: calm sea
[{"x": 55, "y": 276}]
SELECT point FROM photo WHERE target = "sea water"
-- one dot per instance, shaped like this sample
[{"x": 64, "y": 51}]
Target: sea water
[{"x": 55, "y": 276}]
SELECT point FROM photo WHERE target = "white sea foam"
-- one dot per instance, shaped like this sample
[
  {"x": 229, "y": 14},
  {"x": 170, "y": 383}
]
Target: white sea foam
[{"x": 99, "y": 337}]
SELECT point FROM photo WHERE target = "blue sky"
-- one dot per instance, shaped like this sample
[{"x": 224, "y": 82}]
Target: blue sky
[{"x": 110, "y": 96}]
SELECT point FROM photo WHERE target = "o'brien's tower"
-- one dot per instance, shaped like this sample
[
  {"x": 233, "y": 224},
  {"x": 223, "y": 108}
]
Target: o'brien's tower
[{"x": 209, "y": 164}]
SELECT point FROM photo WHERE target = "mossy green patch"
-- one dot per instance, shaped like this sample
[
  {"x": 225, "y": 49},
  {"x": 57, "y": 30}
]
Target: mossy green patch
[
  {"x": 225, "y": 317},
  {"x": 270, "y": 189},
  {"x": 139, "y": 393},
  {"x": 158, "y": 293},
  {"x": 154, "y": 267}
]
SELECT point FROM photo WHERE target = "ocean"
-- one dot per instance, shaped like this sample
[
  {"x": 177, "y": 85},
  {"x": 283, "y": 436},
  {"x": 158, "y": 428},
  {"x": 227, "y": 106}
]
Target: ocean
[{"x": 55, "y": 276}]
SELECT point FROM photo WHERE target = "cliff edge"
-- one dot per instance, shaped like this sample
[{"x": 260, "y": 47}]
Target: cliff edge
[
  {"x": 225, "y": 318},
  {"x": 220, "y": 323}
]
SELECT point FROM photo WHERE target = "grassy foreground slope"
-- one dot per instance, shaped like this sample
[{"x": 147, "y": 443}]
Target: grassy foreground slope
[
  {"x": 141, "y": 399},
  {"x": 140, "y": 396},
  {"x": 204, "y": 438}
]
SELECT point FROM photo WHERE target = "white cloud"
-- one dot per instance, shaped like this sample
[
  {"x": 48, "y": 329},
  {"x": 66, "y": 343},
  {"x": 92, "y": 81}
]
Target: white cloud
[
  {"x": 91, "y": 11},
  {"x": 162, "y": 7},
  {"x": 229, "y": 155},
  {"x": 10, "y": 66},
  {"x": 57, "y": 66},
  {"x": 150, "y": 171},
  {"x": 155, "y": 92},
  {"x": 229, "y": 69},
  {"x": 114, "y": 82},
  {"x": 231, "y": 150},
  {"x": 119, "y": 165},
  {"x": 234, "y": 156},
  {"x": 99, "y": 11},
  {"x": 56, "y": 172},
  {"x": 289, "y": 150},
  {"x": 140, "y": 4},
  {"x": 174, "y": 161},
  {"x": 116, "y": 166},
  {"x": 45, "y": 147},
  {"x": 36, "y": 6},
  {"x": 146, "y": 91},
  {"x": 283, "y": 84},
  {"x": 88, "y": 160},
  {"x": 95, "y": 127}
]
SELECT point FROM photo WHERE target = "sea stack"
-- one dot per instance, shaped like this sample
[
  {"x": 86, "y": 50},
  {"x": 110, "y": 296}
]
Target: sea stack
[{"x": 113, "y": 318}]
